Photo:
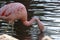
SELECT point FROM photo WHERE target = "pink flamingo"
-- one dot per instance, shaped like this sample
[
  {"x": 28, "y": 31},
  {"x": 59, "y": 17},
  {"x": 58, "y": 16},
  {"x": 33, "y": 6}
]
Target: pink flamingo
[{"x": 14, "y": 11}]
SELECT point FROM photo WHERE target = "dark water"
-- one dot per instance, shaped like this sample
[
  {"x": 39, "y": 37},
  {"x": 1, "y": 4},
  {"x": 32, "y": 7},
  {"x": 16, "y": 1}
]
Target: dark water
[{"x": 30, "y": 37}]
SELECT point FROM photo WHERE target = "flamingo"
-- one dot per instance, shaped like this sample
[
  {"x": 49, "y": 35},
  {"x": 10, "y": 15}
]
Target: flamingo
[{"x": 13, "y": 11}]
